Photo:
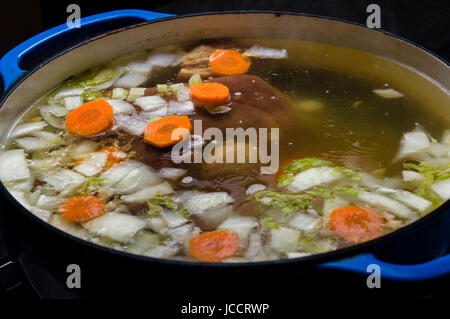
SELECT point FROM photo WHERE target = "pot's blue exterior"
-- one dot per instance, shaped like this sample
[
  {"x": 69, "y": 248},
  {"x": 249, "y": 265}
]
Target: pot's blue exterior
[{"x": 434, "y": 233}]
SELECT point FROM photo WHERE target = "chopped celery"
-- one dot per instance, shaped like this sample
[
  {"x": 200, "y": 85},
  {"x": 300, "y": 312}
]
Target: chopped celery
[
  {"x": 162, "y": 89},
  {"x": 119, "y": 94},
  {"x": 195, "y": 79}
]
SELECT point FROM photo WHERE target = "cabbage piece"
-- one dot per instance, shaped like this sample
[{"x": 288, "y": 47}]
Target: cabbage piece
[
  {"x": 131, "y": 123},
  {"x": 384, "y": 202},
  {"x": 73, "y": 102},
  {"x": 181, "y": 108},
  {"x": 142, "y": 242},
  {"x": 136, "y": 179},
  {"x": 388, "y": 93},
  {"x": 242, "y": 226},
  {"x": 144, "y": 194},
  {"x": 173, "y": 218},
  {"x": 120, "y": 106},
  {"x": 409, "y": 199},
  {"x": 72, "y": 228},
  {"x": 13, "y": 166},
  {"x": 51, "y": 203},
  {"x": 442, "y": 188},
  {"x": 33, "y": 144},
  {"x": 163, "y": 60},
  {"x": 134, "y": 93},
  {"x": 81, "y": 148},
  {"x": 150, "y": 103},
  {"x": 284, "y": 239},
  {"x": 413, "y": 142},
  {"x": 211, "y": 218},
  {"x": 201, "y": 202},
  {"x": 116, "y": 173},
  {"x": 27, "y": 128},
  {"x": 313, "y": 177},
  {"x": 53, "y": 114},
  {"x": 115, "y": 226},
  {"x": 303, "y": 222},
  {"x": 92, "y": 164},
  {"x": 172, "y": 172},
  {"x": 255, "y": 188},
  {"x": 119, "y": 94},
  {"x": 162, "y": 251},
  {"x": 156, "y": 224},
  {"x": 64, "y": 180},
  {"x": 130, "y": 80}
]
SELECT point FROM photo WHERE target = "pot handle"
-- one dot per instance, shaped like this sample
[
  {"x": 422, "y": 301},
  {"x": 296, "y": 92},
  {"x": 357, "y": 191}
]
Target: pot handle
[
  {"x": 429, "y": 270},
  {"x": 10, "y": 68}
]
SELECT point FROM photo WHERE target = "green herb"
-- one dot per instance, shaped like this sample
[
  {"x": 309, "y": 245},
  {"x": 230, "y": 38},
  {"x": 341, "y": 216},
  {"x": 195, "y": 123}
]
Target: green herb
[
  {"x": 131, "y": 154},
  {"x": 304, "y": 164},
  {"x": 90, "y": 186},
  {"x": 269, "y": 222}
]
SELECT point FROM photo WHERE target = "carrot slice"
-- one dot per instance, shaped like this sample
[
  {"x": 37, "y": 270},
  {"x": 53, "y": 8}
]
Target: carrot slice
[
  {"x": 210, "y": 93},
  {"x": 159, "y": 133},
  {"x": 115, "y": 155},
  {"x": 214, "y": 246},
  {"x": 356, "y": 223},
  {"x": 228, "y": 62},
  {"x": 81, "y": 208},
  {"x": 90, "y": 118}
]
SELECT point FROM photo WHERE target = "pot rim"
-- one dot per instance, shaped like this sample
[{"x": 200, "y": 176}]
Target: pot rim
[{"x": 311, "y": 259}]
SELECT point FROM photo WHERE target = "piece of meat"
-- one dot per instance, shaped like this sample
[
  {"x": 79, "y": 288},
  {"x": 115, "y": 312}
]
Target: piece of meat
[
  {"x": 197, "y": 61},
  {"x": 257, "y": 104}
]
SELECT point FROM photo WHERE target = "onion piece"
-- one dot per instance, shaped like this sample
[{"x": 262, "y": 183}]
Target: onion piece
[
  {"x": 131, "y": 80},
  {"x": 150, "y": 103},
  {"x": 53, "y": 115},
  {"x": 163, "y": 60},
  {"x": 131, "y": 123},
  {"x": 33, "y": 144},
  {"x": 259, "y": 51},
  {"x": 116, "y": 226},
  {"x": 181, "y": 108},
  {"x": 27, "y": 128},
  {"x": 13, "y": 166}
]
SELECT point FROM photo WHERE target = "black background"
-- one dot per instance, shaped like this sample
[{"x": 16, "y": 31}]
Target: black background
[{"x": 423, "y": 22}]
